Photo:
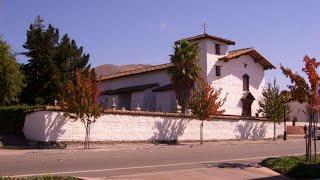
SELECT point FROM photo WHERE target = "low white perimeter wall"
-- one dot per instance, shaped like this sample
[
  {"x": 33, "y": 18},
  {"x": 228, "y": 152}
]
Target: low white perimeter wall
[{"x": 53, "y": 126}]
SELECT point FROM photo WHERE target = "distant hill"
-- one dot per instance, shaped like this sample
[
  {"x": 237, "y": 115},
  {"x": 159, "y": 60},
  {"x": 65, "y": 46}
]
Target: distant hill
[{"x": 107, "y": 69}]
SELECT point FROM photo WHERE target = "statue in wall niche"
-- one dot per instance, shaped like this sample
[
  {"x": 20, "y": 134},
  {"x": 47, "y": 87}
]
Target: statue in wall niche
[
  {"x": 189, "y": 112},
  {"x": 55, "y": 102},
  {"x": 178, "y": 108},
  {"x": 138, "y": 108},
  {"x": 105, "y": 103},
  {"x": 123, "y": 109},
  {"x": 114, "y": 105}
]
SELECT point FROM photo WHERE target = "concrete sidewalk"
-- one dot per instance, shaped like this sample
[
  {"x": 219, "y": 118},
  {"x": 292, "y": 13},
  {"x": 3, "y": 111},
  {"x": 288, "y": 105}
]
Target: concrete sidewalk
[
  {"x": 230, "y": 171},
  {"x": 137, "y": 146}
]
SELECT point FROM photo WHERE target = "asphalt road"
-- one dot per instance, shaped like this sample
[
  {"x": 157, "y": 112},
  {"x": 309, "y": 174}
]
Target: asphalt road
[{"x": 145, "y": 159}]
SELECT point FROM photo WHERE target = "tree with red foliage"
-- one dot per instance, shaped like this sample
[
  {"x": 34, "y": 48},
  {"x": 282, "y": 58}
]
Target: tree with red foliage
[
  {"x": 301, "y": 91},
  {"x": 79, "y": 100},
  {"x": 206, "y": 101}
]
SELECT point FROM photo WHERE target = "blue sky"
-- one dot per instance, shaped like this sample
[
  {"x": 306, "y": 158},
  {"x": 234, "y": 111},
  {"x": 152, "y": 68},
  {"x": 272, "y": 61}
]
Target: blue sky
[{"x": 136, "y": 31}]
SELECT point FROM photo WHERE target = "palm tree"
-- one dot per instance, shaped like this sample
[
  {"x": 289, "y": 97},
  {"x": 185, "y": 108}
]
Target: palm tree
[{"x": 185, "y": 70}]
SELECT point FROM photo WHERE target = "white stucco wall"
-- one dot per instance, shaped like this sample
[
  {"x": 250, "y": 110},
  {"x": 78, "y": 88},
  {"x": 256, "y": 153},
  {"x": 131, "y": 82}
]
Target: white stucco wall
[
  {"x": 231, "y": 82},
  {"x": 299, "y": 110},
  {"x": 207, "y": 54},
  {"x": 231, "y": 76},
  {"x": 53, "y": 126}
]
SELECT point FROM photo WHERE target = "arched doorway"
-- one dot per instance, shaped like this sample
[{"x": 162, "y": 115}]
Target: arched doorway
[{"x": 247, "y": 101}]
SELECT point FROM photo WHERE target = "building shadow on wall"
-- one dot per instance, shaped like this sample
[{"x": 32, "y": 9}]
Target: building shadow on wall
[
  {"x": 54, "y": 129},
  {"x": 251, "y": 131},
  {"x": 168, "y": 131}
]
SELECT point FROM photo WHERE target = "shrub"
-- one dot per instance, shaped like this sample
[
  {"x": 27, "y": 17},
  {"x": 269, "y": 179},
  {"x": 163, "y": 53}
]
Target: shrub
[
  {"x": 294, "y": 166},
  {"x": 12, "y": 118}
]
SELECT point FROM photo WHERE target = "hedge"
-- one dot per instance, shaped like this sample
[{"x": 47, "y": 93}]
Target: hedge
[{"x": 12, "y": 118}]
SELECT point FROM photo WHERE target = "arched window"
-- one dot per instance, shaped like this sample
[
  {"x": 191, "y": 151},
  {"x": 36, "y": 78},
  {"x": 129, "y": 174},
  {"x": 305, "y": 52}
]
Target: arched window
[{"x": 245, "y": 82}]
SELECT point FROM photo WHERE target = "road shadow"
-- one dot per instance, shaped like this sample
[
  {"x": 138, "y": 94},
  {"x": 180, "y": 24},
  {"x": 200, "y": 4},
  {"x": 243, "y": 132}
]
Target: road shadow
[
  {"x": 243, "y": 166},
  {"x": 168, "y": 131},
  {"x": 12, "y": 141},
  {"x": 251, "y": 131},
  {"x": 277, "y": 177},
  {"x": 54, "y": 129},
  {"x": 232, "y": 165}
]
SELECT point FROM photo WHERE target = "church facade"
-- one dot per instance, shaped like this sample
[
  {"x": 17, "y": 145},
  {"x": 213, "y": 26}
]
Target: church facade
[{"x": 239, "y": 73}]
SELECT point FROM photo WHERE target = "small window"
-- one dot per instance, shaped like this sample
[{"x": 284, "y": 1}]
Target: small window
[
  {"x": 218, "y": 71},
  {"x": 245, "y": 82},
  {"x": 217, "y": 49}
]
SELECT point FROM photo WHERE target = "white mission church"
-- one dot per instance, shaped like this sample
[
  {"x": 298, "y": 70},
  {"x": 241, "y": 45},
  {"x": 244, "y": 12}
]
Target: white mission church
[{"x": 240, "y": 74}]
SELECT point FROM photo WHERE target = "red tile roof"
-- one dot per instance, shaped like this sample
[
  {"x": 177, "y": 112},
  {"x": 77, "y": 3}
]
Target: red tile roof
[
  {"x": 130, "y": 89},
  {"x": 251, "y": 52},
  {"x": 137, "y": 71},
  {"x": 215, "y": 38},
  {"x": 231, "y": 55}
]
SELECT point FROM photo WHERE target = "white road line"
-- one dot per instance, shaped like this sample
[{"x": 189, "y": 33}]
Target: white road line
[{"x": 151, "y": 166}]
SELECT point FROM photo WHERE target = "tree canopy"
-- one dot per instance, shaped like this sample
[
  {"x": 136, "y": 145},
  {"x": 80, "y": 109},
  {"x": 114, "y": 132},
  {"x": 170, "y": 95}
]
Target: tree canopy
[
  {"x": 273, "y": 103},
  {"x": 79, "y": 99},
  {"x": 51, "y": 62},
  {"x": 185, "y": 70},
  {"x": 303, "y": 91},
  {"x": 11, "y": 78},
  {"x": 206, "y": 100}
]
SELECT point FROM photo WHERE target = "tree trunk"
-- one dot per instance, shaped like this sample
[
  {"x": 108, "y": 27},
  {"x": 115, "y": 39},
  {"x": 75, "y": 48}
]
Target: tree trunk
[
  {"x": 315, "y": 143},
  {"x": 201, "y": 132},
  {"x": 315, "y": 138},
  {"x": 309, "y": 159},
  {"x": 306, "y": 139},
  {"x": 87, "y": 136},
  {"x": 274, "y": 130}
]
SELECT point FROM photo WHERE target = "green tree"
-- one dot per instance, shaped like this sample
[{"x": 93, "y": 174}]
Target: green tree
[
  {"x": 79, "y": 100},
  {"x": 68, "y": 58},
  {"x": 11, "y": 78},
  {"x": 40, "y": 71},
  {"x": 272, "y": 105},
  {"x": 185, "y": 70},
  {"x": 206, "y": 101},
  {"x": 51, "y": 62}
]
